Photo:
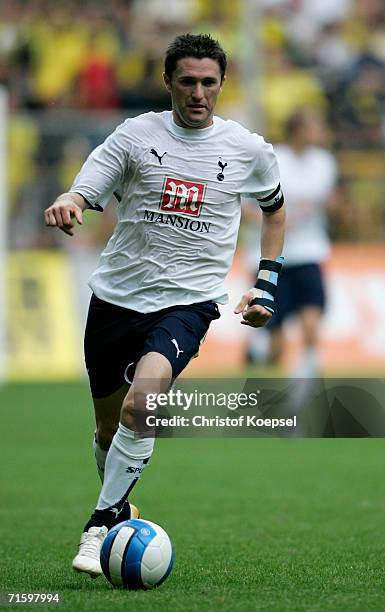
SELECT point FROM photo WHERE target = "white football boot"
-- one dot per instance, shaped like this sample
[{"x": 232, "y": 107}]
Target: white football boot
[{"x": 88, "y": 558}]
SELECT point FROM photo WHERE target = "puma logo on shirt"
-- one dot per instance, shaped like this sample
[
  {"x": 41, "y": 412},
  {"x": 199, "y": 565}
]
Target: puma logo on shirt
[{"x": 159, "y": 157}]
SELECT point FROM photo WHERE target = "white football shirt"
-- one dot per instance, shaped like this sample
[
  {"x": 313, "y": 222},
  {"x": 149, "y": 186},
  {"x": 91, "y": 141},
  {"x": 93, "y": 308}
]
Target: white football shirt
[
  {"x": 179, "y": 192},
  {"x": 307, "y": 179}
]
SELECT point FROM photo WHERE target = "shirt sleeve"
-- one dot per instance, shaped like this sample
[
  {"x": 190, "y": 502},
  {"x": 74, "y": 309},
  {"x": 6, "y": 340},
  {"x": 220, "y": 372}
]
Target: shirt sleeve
[
  {"x": 263, "y": 181},
  {"x": 103, "y": 171}
]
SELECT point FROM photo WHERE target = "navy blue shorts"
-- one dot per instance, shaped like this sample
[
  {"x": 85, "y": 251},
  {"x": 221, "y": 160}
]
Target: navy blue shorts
[
  {"x": 298, "y": 287},
  {"x": 116, "y": 338}
]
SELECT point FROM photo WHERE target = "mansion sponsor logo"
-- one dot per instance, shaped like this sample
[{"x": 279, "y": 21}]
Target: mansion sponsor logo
[
  {"x": 194, "y": 225},
  {"x": 182, "y": 196}
]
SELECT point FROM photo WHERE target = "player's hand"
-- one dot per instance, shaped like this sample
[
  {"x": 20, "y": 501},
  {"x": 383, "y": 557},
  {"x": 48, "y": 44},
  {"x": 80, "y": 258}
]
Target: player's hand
[
  {"x": 62, "y": 214},
  {"x": 253, "y": 316}
]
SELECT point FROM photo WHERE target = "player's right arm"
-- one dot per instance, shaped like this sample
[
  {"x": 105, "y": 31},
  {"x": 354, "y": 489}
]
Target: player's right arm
[
  {"x": 95, "y": 184},
  {"x": 66, "y": 209}
]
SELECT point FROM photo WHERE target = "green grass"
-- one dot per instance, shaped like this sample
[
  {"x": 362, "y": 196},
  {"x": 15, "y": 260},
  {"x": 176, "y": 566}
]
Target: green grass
[{"x": 257, "y": 524}]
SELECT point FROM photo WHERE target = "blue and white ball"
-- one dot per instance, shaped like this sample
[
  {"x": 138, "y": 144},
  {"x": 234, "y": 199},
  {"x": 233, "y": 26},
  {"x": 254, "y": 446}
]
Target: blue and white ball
[{"x": 136, "y": 554}]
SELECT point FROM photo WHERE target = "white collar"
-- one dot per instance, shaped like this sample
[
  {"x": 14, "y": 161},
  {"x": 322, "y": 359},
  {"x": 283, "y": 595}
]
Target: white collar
[{"x": 190, "y": 133}]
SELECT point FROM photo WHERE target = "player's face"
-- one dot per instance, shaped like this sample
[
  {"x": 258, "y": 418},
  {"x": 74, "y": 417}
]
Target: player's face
[
  {"x": 194, "y": 88},
  {"x": 313, "y": 132}
]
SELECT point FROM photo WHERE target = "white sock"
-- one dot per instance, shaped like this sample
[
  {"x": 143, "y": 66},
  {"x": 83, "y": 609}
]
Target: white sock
[
  {"x": 308, "y": 364},
  {"x": 126, "y": 459},
  {"x": 100, "y": 458}
]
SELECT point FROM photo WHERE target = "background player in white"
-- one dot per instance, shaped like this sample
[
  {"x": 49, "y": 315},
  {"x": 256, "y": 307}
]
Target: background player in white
[
  {"x": 308, "y": 176},
  {"x": 178, "y": 178}
]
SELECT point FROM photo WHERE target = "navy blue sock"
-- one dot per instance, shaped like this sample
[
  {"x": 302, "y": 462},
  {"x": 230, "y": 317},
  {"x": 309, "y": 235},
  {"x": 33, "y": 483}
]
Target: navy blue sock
[{"x": 108, "y": 517}]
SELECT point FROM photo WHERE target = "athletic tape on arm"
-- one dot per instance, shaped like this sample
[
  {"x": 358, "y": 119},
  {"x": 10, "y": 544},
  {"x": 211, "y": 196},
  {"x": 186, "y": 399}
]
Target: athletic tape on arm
[{"x": 267, "y": 281}]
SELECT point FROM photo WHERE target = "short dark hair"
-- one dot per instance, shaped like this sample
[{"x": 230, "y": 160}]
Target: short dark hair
[
  {"x": 294, "y": 122},
  {"x": 194, "y": 45}
]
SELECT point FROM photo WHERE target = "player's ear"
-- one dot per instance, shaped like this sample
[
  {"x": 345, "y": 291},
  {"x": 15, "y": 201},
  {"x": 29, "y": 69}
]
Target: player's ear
[
  {"x": 167, "y": 81},
  {"x": 223, "y": 82}
]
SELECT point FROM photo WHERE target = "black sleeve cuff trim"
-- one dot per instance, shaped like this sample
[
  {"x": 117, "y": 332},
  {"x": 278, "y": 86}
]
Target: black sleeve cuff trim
[
  {"x": 271, "y": 195},
  {"x": 273, "y": 207},
  {"x": 89, "y": 205},
  {"x": 96, "y": 207}
]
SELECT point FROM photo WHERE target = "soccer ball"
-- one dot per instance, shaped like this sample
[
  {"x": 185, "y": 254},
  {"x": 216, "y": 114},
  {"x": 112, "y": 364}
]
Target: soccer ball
[{"x": 136, "y": 554}]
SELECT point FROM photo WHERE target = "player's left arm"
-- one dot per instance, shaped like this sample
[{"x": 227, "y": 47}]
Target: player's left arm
[{"x": 257, "y": 304}]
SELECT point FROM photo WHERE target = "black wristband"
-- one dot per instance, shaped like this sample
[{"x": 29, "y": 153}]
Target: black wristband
[{"x": 270, "y": 265}]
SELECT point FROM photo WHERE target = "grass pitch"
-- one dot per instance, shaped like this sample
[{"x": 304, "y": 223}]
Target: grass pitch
[{"x": 257, "y": 524}]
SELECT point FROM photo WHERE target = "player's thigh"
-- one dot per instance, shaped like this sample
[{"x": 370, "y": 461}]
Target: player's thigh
[
  {"x": 112, "y": 342},
  {"x": 174, "y": 338},
  {"x": 312, "y": 301},
  {"x": 178, "y": 334},
  {"x": 311, "y": 287},
  {"x": 153, "y": 375}
]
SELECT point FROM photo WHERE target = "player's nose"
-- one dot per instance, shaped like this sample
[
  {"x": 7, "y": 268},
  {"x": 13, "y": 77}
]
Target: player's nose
[{"x": 197, "y": 92}]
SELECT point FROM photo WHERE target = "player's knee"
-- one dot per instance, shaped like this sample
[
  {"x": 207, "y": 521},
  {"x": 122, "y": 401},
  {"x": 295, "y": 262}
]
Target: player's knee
[
  {"x": 310, "y": 336},
  {"x": 135, "y": 410}
]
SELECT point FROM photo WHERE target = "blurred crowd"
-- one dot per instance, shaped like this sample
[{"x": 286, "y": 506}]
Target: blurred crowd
[
  {"x": 108, "y": 55},
  {"x": 61, "y": 57}
]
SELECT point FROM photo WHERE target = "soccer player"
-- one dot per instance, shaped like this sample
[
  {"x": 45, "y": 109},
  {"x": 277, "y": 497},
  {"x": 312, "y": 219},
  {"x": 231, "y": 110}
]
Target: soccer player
[
  {"x": 178, "y": 177},
  {"x": 308, "y": 176}
]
